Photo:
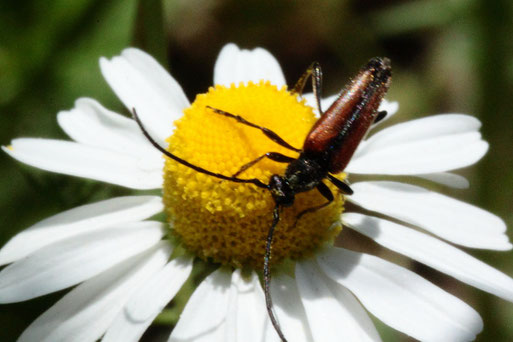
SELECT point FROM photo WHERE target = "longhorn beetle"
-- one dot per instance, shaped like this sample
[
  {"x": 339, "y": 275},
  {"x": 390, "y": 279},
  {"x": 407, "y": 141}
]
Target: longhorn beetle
[{"x": 327, "y": 149}]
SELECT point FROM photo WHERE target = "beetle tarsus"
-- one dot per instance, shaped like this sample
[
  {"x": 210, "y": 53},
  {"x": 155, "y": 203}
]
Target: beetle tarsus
[{"x": 381, "y": 115}]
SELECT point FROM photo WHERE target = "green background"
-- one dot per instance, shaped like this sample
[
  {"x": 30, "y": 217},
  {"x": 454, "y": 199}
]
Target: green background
[{"x": 448, "y": 57}]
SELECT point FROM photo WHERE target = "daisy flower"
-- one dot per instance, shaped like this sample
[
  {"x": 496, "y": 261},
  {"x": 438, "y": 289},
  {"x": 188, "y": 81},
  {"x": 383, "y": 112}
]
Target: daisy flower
[{"x": 124, "y": 267}]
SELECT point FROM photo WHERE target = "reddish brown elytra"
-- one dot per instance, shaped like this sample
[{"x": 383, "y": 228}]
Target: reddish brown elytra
[
  {"x": 342, "y": 127},
  {"x": 327, "y": 149}
]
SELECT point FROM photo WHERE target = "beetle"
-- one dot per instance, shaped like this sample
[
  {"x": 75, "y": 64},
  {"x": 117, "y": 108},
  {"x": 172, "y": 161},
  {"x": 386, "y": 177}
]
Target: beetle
[{"x": 327, "y": 148}]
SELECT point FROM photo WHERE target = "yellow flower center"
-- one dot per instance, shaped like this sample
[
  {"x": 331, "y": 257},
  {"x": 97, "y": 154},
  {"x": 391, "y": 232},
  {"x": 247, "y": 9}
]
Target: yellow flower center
[{"x": 228, "y": 222}]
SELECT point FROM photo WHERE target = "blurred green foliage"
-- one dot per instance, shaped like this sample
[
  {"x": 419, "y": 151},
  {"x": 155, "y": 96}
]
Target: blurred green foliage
[{"x": 448, "y": 56}]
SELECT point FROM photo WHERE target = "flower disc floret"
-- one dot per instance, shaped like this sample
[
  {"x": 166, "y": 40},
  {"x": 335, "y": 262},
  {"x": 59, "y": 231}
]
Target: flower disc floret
[{"x": 228, "y": 222}]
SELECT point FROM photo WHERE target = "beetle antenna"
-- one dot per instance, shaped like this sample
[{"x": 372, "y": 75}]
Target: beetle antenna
[
  {"x": 192, "y": 166},
  {"x": 267, "y": 273}
]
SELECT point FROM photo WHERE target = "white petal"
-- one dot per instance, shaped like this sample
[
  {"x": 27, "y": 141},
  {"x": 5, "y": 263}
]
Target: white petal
[
  {"x": 453, "y": 220},
  {"x": 391, "y": 107},
  {"x": 433, "y": 144},
  {"x": 434, "y": 253},
  {"x": 142, "y": 84},
  {"x": 91, "y": 124},
  {"x": 236, "y": 65},
  {"x": 71, "y": 261},
  {"x": 448, "y": 179},
  {"x": 247, "y": 316},
  {"x": 86, "y": 312},
  {"x": 333, "y": 313},
  {"x": 289, "y": 311},
  {"x": 402, "y": 299},
  {"x": 204, "y": 316},
  {"x": 435, "y": 126},
  {"x": 86, "y": 218},
  {"x": 148, "y": 301},
  {"x": 96, "y": 163},
  {"x": 159, "y": 76}
]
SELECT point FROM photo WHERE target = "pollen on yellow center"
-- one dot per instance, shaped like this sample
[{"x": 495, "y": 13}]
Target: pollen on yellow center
[{"x": 228, "y": 222}]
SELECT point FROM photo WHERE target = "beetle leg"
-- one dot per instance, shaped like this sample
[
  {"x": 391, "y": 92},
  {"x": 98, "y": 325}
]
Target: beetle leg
[
  {"x": 270, "y": 134},
  {"x": 315, "y": 71},
  {"x": 381, "y": 115},
  {"x": 274, "y": 156},
  {"x": 326, "y": 192},
  {"x": 343, "y": 186}
]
